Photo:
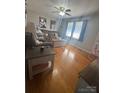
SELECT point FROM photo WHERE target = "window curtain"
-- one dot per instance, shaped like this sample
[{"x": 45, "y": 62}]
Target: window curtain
[{"x": 83, "y": 30}]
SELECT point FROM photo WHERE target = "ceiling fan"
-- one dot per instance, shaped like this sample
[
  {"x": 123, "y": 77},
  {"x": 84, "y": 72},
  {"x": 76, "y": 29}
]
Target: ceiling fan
[{"x": 62, "y": 11}]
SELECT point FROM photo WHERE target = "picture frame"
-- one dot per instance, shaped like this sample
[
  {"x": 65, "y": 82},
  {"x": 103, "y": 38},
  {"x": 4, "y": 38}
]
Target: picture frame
[{"x": 42, "y": 22}]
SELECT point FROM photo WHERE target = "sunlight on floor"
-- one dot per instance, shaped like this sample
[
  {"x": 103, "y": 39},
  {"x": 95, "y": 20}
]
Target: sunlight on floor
[
  {"x": 71, "y": 55},
  {"x": 65, "y": 51},
  {"x": 55, "y": 72},
  {"x": 68, "y": 54}
]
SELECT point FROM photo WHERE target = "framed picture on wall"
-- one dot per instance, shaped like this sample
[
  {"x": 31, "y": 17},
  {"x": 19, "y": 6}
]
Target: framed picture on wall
[
  {"x": 42, "y": 22},
  {"x": 52, "y": 24}
]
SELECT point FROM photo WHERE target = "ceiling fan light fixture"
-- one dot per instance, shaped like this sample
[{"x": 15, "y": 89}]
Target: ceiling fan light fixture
[{"x": 61, "y": 13}]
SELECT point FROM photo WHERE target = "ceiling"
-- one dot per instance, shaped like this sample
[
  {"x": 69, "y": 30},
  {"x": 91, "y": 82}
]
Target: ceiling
[{"x": 78, "y": 7}]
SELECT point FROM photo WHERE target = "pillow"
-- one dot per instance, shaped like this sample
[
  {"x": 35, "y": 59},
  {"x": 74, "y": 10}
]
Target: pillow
[
  {"x": 56, "y": 36},
  {"x": 39, "y": 33},
  {"x": 41, "y": 38}
]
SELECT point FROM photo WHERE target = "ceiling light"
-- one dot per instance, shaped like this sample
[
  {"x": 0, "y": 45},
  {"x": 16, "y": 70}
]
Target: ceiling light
[{"x": 61, "y": 13}]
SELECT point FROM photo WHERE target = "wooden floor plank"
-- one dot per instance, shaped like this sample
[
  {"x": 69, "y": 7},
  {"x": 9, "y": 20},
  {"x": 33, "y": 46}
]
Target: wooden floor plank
[{"x": 68, "y": 63}]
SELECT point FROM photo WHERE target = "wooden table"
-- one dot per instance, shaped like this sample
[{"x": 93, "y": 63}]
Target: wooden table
[{"x": 36, "y": 57}]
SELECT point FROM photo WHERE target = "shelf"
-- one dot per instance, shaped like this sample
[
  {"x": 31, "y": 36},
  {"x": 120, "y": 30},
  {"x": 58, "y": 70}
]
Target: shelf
[{"x": 41, "y": 67}]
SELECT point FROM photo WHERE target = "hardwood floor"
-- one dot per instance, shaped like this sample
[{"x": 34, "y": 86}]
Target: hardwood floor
[{"x": 63, "y": 79}]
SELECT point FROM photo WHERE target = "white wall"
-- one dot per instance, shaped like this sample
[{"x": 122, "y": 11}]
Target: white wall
[
  {"x": 91, "y": 34},
  {"x": 34, "y": 17}
]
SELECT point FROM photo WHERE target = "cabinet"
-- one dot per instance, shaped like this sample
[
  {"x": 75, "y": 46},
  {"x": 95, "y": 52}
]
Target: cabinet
[{"x": 39, "y": 61}]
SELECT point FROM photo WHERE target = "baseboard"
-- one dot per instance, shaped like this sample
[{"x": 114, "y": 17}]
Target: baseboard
[{"x": 85, "y": 50}]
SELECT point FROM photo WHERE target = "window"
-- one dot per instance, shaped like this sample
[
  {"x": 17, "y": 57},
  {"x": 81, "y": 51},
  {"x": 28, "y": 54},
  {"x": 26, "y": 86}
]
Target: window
[
  {"x": 74, "y": 29},
  {"x": 69, "y": 29},
  {"x": 77, "y": 30}
]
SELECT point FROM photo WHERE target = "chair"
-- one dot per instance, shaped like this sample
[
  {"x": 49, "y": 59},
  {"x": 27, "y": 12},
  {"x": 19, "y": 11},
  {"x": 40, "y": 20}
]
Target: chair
[{"x": 31, "y": 32}]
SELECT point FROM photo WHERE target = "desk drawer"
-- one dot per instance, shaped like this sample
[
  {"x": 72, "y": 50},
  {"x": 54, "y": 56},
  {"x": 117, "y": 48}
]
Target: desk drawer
[{"x": 40, "y": 60}]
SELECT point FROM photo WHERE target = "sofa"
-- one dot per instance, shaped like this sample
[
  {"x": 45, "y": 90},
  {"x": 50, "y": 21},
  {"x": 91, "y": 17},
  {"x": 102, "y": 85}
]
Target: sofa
[{"x": 52, "y": 36}]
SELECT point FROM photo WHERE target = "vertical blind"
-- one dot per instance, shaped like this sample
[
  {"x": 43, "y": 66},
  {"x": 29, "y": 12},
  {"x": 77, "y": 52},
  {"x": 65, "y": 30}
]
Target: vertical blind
[
  {"x": 69, "y": 29},
  {"x": 76, "y": 29}
]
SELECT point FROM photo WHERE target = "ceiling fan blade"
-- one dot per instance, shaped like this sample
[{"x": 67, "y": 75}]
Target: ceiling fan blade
[
  {"x": 68, "y": 10},
  {"x": 55, "y": 11},
  {"x": 57, "y": 8},
  {"x": 68, "y": 14}
]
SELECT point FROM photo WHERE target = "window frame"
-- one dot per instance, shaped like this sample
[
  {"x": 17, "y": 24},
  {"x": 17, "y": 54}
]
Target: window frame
[
  {"x": 75, "y": 27},
  {"x": 71, "y": 29}
]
